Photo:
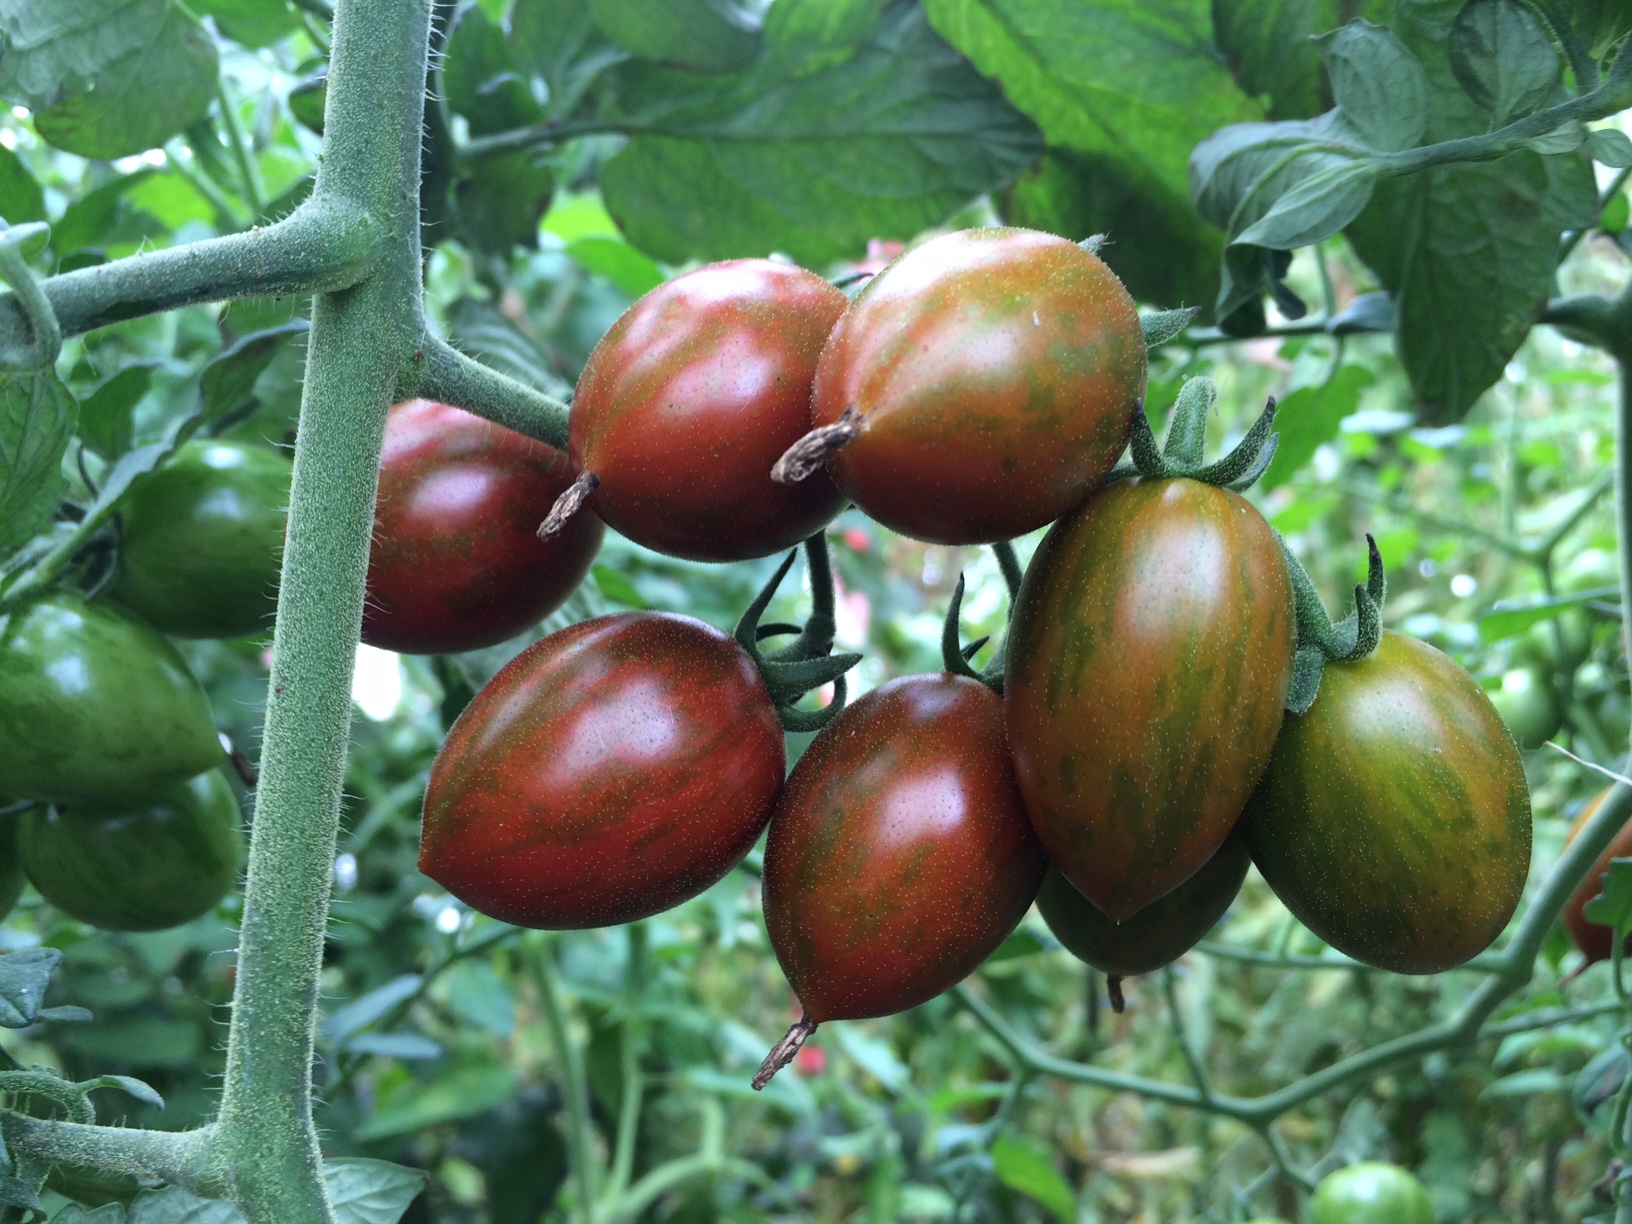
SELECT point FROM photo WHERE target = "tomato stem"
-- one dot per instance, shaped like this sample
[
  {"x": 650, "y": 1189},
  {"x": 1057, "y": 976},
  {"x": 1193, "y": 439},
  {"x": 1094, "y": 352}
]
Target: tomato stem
[
  {"x": 807, "y": 455},
  {"x": 783, "y": 1052},
  {"x": 567, "y": 505}
]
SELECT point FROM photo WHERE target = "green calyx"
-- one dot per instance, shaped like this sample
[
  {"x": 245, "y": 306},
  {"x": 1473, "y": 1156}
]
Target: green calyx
[
  {"x": 1319, "y": 640},
  {"x": 1181, "y": 455},
  {"x": 954, "y": 655},
  {"x": 806, "y": 663}
]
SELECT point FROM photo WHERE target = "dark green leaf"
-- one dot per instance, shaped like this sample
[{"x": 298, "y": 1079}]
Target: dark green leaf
[
  {"x": 228, "y": 381},
  {"x": 1599, "y": 1081},
  {"x": 22, "y": 1196},
  {"x": 89, "y": 220},
  {"x": 105, "y": 415},
  {"x": 1378, "y": 85},
  {"x": 1028, "y": 1170},
  {"x": 481, "y": 79},
  {"x": 502, "y": 202},
  {"x": 891, "y": 139},
  {"x": 308, "y": 99},
  {"x": 409, "y": 1047},
  {"x": 88, "y": 69},
  {"x": 616, "y": 260},
  {"x": 254, "y": 23},
  {"x": 21, "y": 198},
  {"x": 1315, "y": 209},
  {"x": 1610, "y": 147},
  {"x": 1310, "y": 416},
  {"x": 558, "y": 41},
  {"x": 1270, "y": 48},
  {"x": 1502, "y": 55},
  {"x": 702, "y": 35},
  {"x": 1612, "y": 907},
  {"x": 23, "y": 978},
  {"x": 1024, "y": 942},
  {"x": 37, "y": 416},
  {"x": 360, "y": 1013},
  {"x": 1509, "y": 618}
]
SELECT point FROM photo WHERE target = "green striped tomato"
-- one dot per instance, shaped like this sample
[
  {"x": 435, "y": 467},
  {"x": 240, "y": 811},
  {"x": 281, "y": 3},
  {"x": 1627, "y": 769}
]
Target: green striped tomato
[
  {"x": 1394, "y": 817},
  {"x": 1148, "y": 664}
]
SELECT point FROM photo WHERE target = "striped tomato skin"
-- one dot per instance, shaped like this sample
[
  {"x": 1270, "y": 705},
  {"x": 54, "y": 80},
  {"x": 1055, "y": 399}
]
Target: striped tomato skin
[
  {"x": 1595, "y": 940},
  {"x": 996, "y": 372},
  {"x": 899, "y": 856},
  {"x": 1394, "y": 817},
  {"x": 1148, "y": 663},
  {"x": 608, "y": 772}
]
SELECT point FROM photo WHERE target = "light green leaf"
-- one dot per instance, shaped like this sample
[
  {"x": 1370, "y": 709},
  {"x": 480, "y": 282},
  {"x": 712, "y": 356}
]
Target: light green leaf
[
  {"x": 1022, "y": 1167},
  {"x": 617, "y": 588},
  {"x": 1310, "y": 416},
  {"x": 254, "y": 23},
  {"x": 37, "y": 417},
  {"x": 619, "y": 262},
  {"x": 1610, "y": 147},
  {"x": 460, "y": 1093},
  {"x": 371, "y": 1191},
  {"x": 1510, "y": 618},
  {"x": 21, "y": 198},
  {"x": 702, "y": 35},
  {"x": 88, "y": 68}
]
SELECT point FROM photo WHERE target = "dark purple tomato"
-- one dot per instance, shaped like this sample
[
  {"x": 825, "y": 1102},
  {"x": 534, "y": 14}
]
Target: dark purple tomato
[
  {"x": 899, "y": 856},
  {"x": 1595, "y": 940},
  {"x": 690, "y": 399},
  {"x": 1394, "y": 817},
  {"x": 1157, "y": 935},
  {"x": 608, "y": 772},
  {"x": 995, "y": 373},
  {"x": 456, "y": 562},
  {"x": 1148, "y": 664}
]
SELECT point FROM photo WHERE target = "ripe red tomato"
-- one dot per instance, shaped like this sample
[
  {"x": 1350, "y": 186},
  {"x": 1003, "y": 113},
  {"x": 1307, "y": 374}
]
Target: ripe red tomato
[
  {"x": 996, "y": 373},
  {"x": 1394, "y": 817},
  {"x": 456, "y": 562},
  {"x": 608, "y": 772},
  {"x": 1595, "y": 940},
  {"x": 1148, "y": 664},
  {"x": 692, "y": 396},
  {"x": 899, "y": 856}
]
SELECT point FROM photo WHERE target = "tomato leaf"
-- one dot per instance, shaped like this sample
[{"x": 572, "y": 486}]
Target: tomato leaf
[
  {"x": 481, "y": 79},
  {"x": 807, "y": 156},
  {"x": 702, "y": 35},
  {"x": 1511, "y": 617},
  {"x": 1613, "y": 906},
  {"x": 87, "y": 68},
  {"x": 1021, "y": 1167},
  {"x": 360, "y": 1013},
  {"x": 21, "y": 197},
  {"x": 559, "y": 41},
  {"x": 617, "y": 588},
  {"x": 37, "y": 416},
  {"x": 1310, "y": 416},
  {"x": 613, "y": 258},
  {"x": 21, "y": 1195},
  {"x": 131, "y": 1087},
  {"x": 108, "y": 1213},
  {"x": 1501, "y": 53},
  {"x": 105, "y": 415},
  {"x": 502, "y": 201},
  {"x": 1610, "y": 147},
  {"x": 1378, "y": 85},
  {"x": 1270, "y": 48},
  {"x": 460, "y": 1093},
  {"x": 23, "y": 978},
  {"x": 362, "y": 1191},
  {"x": 227, "y": 383},
  {"x": 252, "y": 23}
]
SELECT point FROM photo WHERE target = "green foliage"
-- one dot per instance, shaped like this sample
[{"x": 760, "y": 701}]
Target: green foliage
[{"x": 37, "y": 416}]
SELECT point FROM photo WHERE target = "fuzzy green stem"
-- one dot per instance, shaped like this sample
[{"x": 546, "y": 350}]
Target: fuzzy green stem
[
  {"x": 574, "y": 1086},
  {"x": 179, "y": 1157},
  {"x": 45, "y": 334},
  {"x": 445, "y": 374},
  {"x": 361, "y": 340}
]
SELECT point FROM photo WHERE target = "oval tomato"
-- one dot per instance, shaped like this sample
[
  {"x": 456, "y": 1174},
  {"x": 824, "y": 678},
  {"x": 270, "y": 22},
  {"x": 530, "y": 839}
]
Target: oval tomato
[
  {"x": 608, "y": 772},
  {"x": 1148, "y": 663},
  {"x": 692, "y": 396},
  {"x": 899, "y": 856},
  {"x": 456, "y": 562},
  {"x": 95, "y": 706},
  {"x": 1595, "y": 940},
  {"x": 203, "y": 540},
  {"x": 1529, "y": 706},
  {"x": 139, "y": 869},
  {"x": 995, "y": 373},
  {"x": 1157, "y": 935},
  {"x": 1371, "y": 1193},
  {"x": 1394, "y": 817}
]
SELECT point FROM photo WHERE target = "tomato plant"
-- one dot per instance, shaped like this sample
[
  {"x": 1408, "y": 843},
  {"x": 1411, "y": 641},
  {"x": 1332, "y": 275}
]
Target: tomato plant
[
  {"x": 1371, "y": 1193},
  {"x": 1595, "y": 940},
  {"x": 456, "y": 563}
]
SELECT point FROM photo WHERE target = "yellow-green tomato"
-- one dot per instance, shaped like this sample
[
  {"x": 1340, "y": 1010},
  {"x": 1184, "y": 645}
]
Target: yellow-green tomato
[
  {"x": 1371, "y": 1193},
  {"x": 203, "y": 540}
]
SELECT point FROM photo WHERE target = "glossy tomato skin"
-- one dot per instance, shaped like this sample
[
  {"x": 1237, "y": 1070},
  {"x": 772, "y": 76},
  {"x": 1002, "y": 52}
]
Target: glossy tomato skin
[
  {"x": 691, "y": 398},
  {"x": 1394, "y": 817},
  {"x": 608, "y": 772},
  {"x": 145, "y": 868},
  {"x": 456, "y": 562},
  {"x": 1371, "y": 1193},
  {"x": 1157, "y": 935},
  {"x": 1595, "y": 941},
  {"x": 996, "y": 372},
  {"x": 1148, "y": 665},
  {"x": 203, "y": 540},
  {"x": 95, "y": 706},
  {"x": 900, "y": 855}
]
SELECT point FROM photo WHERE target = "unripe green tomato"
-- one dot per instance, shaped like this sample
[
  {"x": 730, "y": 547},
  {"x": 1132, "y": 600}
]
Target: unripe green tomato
[
  {"x": 1529, "y": 706},
  {"x": 142, "y": 869},
  {"x": 1371, "y": 1193},
  {"x": 203, "y": 540},
  {"x": 96, "y": 707},
  {"x": 1539, "y": 647}
]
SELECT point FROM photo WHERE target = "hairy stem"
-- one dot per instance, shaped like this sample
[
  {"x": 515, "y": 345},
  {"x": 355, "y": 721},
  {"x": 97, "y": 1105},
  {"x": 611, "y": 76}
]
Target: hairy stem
[
  {"x": 181, "y": 1157},
  {"x": 445, "y": 374}
]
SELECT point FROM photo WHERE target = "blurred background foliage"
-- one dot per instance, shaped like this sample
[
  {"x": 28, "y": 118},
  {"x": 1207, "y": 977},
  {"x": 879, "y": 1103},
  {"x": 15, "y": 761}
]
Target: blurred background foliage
[{"x": 579, "y": 152}]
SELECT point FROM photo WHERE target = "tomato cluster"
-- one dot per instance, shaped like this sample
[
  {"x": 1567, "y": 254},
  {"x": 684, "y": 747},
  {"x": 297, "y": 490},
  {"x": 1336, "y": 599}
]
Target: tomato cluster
[{"x": 1122, "y": 767}]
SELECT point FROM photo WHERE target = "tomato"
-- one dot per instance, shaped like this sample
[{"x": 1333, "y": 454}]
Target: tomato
[
  {"x": 608, "y": 772},
  {"x": 95, "y": 706},
  {"x": 11, "y": 870},
  {"x": 692, "y": 396},
  {"x": 1148, "y": 663},
  {"x": 1157, "y": 935},
  {"x": 1540, "y": 647},
  {"x": 456, "y": 562},
  {"x": 899, "y": 856},
  {"x": 203, "y": 540},
  {"x": 1595, "y": 940},
  {"x": 995, "y": 373},
  {"x": 1529, "y": 706},
  {"x": 143, "y": 868},
  {"x": 1394, "y": 817},
  {"x": 1371, "y": 1193}
]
